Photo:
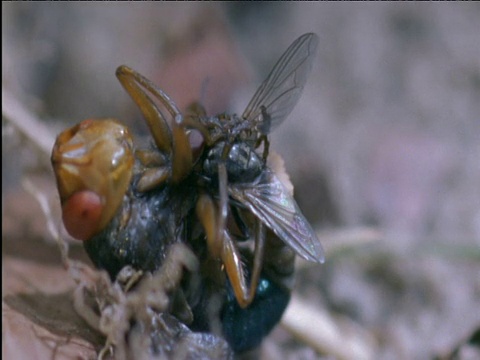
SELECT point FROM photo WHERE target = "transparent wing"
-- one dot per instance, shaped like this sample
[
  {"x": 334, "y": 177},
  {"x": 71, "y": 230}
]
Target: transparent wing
[
  {"x": 270, "y": 201},
  {"x": 278, "y": 94}
]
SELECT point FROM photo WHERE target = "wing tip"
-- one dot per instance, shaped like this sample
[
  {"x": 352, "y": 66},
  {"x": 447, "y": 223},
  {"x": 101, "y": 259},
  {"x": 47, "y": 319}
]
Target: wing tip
[{"x": 316, "y": 256}]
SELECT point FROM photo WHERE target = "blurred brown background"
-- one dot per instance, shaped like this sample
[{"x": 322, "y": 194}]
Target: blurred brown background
[{"x": 386, "y": 134}]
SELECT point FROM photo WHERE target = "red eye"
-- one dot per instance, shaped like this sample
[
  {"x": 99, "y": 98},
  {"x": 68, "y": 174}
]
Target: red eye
[{"x": 81, "y": 214}]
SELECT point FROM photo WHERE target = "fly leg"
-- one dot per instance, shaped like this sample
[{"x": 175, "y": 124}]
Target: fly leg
[{"x": 266, "y": 146}]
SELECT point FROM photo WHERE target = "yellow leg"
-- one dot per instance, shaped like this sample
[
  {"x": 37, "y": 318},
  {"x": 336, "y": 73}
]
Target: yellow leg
[{"x": 224, "y": 249}]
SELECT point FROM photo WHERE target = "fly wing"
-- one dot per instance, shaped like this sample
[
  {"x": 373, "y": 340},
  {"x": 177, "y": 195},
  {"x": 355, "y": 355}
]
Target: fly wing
[
  {"x": 271, "y": 202},
  {"x": 279, "y": 93}
]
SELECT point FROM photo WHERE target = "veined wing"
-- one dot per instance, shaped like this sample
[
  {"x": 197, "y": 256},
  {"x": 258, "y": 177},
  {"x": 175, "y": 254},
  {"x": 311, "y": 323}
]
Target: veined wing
[
  {"x": 278, "y": 94},
  {"x": 270, "y": 201}
]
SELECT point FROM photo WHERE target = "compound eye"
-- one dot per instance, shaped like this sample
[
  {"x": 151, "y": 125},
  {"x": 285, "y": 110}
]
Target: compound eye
[{"x": 82, "y": 213}]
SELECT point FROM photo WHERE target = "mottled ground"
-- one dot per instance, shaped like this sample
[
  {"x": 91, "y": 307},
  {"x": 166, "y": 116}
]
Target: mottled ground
[{"x": 383, "y": 150}]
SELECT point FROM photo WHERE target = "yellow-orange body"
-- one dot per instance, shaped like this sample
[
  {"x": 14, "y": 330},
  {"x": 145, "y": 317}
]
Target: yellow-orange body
[{"x": 93, "y": 159}]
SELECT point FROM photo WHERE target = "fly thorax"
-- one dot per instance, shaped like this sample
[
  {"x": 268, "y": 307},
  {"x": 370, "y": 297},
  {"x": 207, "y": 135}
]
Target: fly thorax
[{"x": 242, "y": 162}]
